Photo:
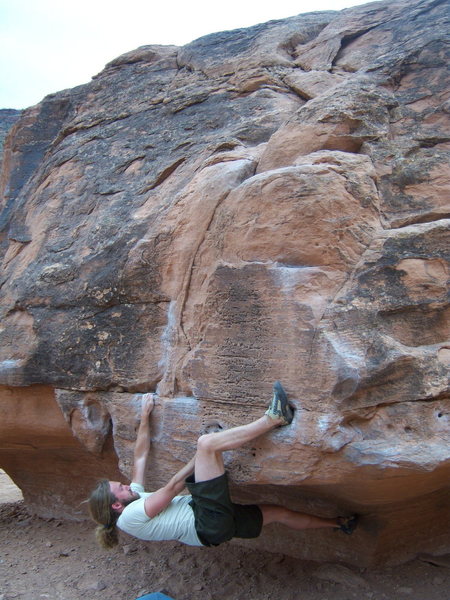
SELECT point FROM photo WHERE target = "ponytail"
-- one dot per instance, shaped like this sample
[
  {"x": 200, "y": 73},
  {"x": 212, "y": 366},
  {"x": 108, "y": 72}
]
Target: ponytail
[
  {"x": 107, "y": 536},
  {"x": 103, "y": 514}
]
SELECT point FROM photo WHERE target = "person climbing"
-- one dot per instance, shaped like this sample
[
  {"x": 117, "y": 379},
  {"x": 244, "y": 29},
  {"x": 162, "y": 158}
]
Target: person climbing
[{"x": 207, "y": 516}]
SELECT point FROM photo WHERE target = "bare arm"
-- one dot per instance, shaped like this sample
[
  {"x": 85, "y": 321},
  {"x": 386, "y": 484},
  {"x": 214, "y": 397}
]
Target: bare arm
[
  {"x": 142, "y": 445},
  {"x": 158, "y": 501}
]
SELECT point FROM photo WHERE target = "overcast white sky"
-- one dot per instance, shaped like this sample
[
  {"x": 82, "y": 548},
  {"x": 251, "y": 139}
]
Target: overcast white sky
[{"x": 50, "y": 45}]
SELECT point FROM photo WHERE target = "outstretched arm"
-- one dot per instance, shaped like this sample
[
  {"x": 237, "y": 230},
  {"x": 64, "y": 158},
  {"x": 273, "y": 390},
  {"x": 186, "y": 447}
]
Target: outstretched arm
[
  {"x": 142, "y": 445},
  {"x": 159, "y": 500}
]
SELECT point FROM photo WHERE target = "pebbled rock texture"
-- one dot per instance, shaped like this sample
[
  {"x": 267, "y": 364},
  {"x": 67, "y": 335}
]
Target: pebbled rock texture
[{"x": 267, "y": 203}]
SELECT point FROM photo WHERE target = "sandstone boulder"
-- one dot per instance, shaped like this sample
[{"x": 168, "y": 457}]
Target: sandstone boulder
[{"x": 261, "y": 204}]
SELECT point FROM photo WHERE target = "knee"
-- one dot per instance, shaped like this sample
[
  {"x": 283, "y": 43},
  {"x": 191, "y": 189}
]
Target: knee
[{"x": 205, "y": 443}]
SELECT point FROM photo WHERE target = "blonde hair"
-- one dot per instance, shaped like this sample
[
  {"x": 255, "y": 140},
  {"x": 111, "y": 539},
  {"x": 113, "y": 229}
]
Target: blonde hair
[{"x": 104, "y": 515}]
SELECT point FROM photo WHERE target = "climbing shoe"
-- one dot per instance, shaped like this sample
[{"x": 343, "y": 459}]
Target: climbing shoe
[
  {"x": 279, "y": 407},
  {"x": 347, "y": 524}
]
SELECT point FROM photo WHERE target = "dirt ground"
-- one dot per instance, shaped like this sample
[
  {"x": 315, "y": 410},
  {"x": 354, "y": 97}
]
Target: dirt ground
[{"x": 59, "y": 560}]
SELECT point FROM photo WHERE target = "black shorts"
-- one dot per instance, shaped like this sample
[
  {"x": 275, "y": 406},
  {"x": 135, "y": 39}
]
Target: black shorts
[{"x": 217, "y": 519}]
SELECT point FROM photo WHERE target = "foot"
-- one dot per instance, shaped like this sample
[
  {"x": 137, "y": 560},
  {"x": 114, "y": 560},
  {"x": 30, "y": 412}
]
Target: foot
[
  {"x": 279, "y": 409},
  {"x": 347, "y": 524}
]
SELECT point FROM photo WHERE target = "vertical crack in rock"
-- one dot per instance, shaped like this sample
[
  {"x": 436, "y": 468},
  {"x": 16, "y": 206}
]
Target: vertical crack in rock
[{"x": 213, "y": 182}]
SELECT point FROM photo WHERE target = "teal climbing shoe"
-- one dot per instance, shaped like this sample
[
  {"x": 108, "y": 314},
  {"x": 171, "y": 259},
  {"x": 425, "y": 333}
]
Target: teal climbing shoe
[
  {"x": 279, "y": 407},
  {"x": 347, "y": 524}
]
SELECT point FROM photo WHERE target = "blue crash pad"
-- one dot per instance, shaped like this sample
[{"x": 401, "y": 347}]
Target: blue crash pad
[{"x": 155, "y": 596}]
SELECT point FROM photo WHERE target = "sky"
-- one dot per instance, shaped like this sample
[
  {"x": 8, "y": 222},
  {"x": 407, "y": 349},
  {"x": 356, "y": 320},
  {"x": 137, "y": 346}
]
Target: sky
[{"x": 50, "y": 45}]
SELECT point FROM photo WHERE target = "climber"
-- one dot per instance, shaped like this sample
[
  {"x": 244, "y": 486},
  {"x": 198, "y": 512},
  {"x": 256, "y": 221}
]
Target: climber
[{"x": 207, "y": 516}]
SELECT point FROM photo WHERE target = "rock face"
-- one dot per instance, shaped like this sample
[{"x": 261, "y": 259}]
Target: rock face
[
  {"x": 8, "y": 116},
  {"x": 261, "y": 204}
]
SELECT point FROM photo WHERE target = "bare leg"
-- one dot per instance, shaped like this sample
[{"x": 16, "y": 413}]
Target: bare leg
[
  {"x": 208, "y": 460},
  {"x": 294, "y": 520}
]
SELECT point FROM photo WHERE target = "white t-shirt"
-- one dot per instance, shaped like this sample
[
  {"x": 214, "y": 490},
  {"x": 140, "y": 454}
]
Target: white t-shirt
[{"x": 175, "y": 522}]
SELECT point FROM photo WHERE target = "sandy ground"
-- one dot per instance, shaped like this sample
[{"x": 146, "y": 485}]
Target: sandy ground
[{"x": 59, "y": 560}]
